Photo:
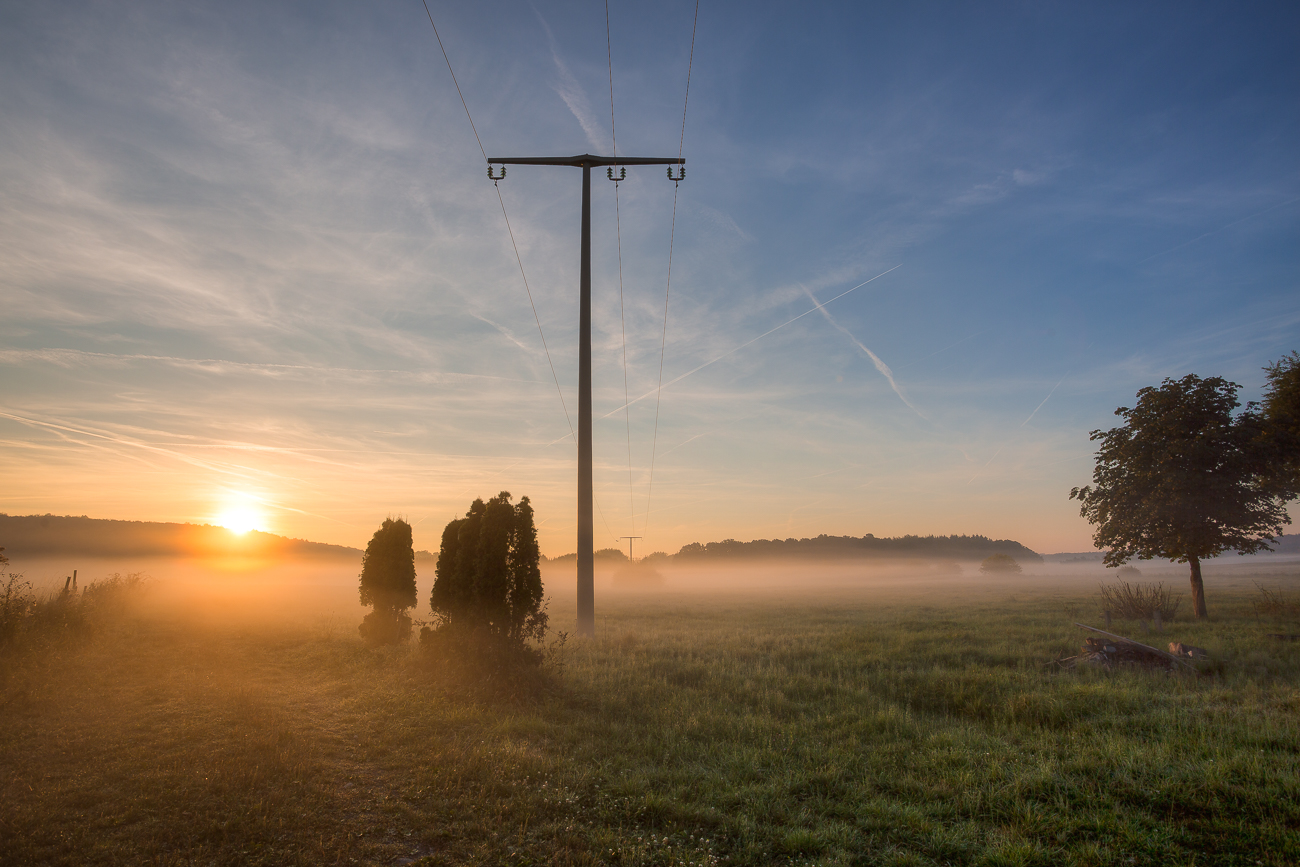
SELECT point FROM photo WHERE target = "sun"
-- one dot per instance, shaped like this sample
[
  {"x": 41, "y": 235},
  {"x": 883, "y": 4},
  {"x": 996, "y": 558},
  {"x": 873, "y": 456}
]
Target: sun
[
  {"x": 239, "y": 520},
  {"x": 241, "y": 517}
]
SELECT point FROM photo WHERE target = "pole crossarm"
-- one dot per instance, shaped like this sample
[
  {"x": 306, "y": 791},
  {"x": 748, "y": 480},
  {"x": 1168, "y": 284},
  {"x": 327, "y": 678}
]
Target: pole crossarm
[{"x": 587, "y": 161}]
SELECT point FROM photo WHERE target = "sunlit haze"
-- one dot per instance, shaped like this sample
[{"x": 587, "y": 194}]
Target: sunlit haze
[{"x": 251, "y": 247}]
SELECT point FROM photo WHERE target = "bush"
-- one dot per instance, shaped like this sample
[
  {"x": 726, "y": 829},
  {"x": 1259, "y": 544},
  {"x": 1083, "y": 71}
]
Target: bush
[
  {"x": 388, "y": 583},
  {"x": 1128, "y": 572},
  {"x": 487, "y": 595},
  {"x": 999, "y": 563},
  {"x": 1126, "y": 601},
  {"x": 1274, "y": 603},
  {"x": 26, "y": 618},
  {"x": 16, "y": 603}
]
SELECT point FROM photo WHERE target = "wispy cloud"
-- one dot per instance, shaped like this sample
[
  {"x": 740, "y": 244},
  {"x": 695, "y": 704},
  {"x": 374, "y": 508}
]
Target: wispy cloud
[
  {"x": 751, "y": 341},
  {"x": 573, "y": 94}
]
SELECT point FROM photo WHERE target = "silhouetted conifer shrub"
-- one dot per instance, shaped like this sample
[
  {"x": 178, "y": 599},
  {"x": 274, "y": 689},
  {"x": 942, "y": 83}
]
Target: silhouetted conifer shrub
[
  {"x": 388, "y": 584},
  {"x": 487, "y": 596}
]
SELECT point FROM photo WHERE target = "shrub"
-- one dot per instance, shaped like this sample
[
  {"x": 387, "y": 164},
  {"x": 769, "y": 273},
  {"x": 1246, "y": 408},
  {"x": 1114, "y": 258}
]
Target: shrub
[
  {"x": 1134, "y": 602},
  {"x": 16, "y": 602},
  {"x": 487, "y": 596},
  {"x": 1128, "y": 572},
  {"x": 1274, "y": 603},
  {"x": 999, "y": 563},
  {"x": 26, "y": 618},
  {"x": 388, "y": 583}
]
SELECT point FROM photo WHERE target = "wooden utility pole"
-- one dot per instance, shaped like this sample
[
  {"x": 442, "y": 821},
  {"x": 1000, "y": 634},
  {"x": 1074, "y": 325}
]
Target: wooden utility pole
[
  {"x": 586, "y": 528},
  {"x": 629, "y": 546}
]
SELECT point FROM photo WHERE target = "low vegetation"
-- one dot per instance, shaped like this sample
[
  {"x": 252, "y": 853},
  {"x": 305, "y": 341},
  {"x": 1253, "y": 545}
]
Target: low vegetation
[
  {"x": 1125, "y": 601},
  {"x": 1277, "y": 604},
  {"x": 694, "y": 730},
  {"x": 999, "y": 563}
]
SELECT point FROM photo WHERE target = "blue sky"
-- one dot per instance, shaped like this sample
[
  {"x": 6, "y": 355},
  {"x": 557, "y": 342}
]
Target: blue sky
[{"x": 249, "y": 257}]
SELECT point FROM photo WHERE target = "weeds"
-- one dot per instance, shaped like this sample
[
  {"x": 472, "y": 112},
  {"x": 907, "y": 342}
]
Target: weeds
[
  {"x": 1126, "y": 601},
  {"x": 1275, "y": 603},
  {"x": 27, "y": 620}
]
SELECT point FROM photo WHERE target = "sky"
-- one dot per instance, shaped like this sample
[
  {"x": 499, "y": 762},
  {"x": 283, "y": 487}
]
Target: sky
[{"x": 252, "y": 268}]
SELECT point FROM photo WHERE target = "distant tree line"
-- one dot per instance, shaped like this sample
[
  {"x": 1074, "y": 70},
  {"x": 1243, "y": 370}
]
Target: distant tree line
[
  {"x": 33, "y": 535},
  {"x": 826, "y": 547}
]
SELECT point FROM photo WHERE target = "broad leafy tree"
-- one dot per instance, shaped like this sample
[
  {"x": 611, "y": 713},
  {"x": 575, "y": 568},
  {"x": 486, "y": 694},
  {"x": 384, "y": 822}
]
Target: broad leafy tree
[
  {"x": 1184, "y": 479},
  {"x": 388, "y": 583},
  {"x": 489, "y": 583},
  {"x": 1280, "y": 424}
]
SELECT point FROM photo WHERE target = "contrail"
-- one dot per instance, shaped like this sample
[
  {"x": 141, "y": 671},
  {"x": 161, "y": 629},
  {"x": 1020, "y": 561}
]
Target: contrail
[
  {"x": 986, "y": 465},
  {"x": 875, "y": 359},
  {"x": 1026, "y": 421},
  {"x": 945, "y": 349},
  {"x": 1055, "y": 387},
  {"x": 1040, "y": 406},
  {"x": 748, "y": 342},
  {"x": 1220, "y": 229}
]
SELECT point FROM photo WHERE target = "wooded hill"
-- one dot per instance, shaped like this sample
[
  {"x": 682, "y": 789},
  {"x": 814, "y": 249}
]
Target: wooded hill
[
  {"x": 39, "y": 535},
  {"x": 825, "y": 547}
]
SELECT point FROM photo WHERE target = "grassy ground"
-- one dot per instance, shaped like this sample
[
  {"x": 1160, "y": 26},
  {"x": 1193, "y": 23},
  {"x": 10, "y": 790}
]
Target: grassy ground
[{"x": 694, "y": 730}]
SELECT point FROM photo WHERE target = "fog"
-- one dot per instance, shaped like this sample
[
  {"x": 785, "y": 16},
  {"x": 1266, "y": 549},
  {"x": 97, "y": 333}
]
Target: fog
[{"x": 324, "y": 591}]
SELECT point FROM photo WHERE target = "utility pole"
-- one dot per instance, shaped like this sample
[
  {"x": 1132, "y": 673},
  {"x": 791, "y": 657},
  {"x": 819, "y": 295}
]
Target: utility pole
[
  {"x": 586, "y": 534},
  {"x": 629, "y": 546}
]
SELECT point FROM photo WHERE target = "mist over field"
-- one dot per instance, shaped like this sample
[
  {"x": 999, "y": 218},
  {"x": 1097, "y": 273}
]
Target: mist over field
[{"x": 228, "y": 590}]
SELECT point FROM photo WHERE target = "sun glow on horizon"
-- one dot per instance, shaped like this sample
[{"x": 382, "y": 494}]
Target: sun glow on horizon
[{"x": 242, "y": 515}]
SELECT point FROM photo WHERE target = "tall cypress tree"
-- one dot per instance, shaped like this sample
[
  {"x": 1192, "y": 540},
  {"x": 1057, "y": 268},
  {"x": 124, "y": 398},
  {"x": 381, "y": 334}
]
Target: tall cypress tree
[
  {"x": 388, "y": 583},
  {"x": 488, "y": 576}
]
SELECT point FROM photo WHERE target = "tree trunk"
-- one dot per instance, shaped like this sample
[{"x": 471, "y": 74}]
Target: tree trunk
[{"x": 1198, "y": 589}]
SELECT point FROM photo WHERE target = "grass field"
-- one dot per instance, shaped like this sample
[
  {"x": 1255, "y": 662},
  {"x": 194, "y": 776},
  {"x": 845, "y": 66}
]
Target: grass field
[{"x": 706, "y": 728}]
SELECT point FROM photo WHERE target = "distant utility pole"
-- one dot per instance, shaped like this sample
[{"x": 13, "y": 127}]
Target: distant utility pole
[
  {"x": 586, "y": 562},
  {"x": 629, "y": 546}
]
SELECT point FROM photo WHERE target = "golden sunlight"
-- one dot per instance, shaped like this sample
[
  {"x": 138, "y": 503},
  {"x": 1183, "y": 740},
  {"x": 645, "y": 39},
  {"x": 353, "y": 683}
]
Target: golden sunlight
[
  {"x": 239, "y": 520},
  {"x": 241, "y": 517}
]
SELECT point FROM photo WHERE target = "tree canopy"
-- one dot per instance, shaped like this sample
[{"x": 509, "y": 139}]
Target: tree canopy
[
  {"x": 1184, "y": 479},
  {"x": 388, "y": 583},
  {"x": 996, "y": 563},
  {"x": 488, "y": 578},
  {"x": 1280, "y": 423}
]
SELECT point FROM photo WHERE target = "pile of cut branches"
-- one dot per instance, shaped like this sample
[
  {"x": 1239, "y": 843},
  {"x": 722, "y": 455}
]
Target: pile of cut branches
[{"x": 1110, "y": 651}]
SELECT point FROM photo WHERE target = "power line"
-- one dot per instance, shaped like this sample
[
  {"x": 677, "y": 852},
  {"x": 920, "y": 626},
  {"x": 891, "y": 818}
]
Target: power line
[
  {"x": 672, "y": 235},
  {"x": 622, "y": 318},
  {"x": 453, "y": 79},
  {"x": 506, "y": 216}
]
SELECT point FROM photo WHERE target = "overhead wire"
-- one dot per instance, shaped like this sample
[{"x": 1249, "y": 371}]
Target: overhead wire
[
  {"x": 622, "y": 318},
  {"x": 515, "y": 246},
  {"x": 672, "y": 235}
]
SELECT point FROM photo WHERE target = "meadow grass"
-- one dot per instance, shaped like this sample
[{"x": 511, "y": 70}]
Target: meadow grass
[{"x": 695, "y": 729}]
